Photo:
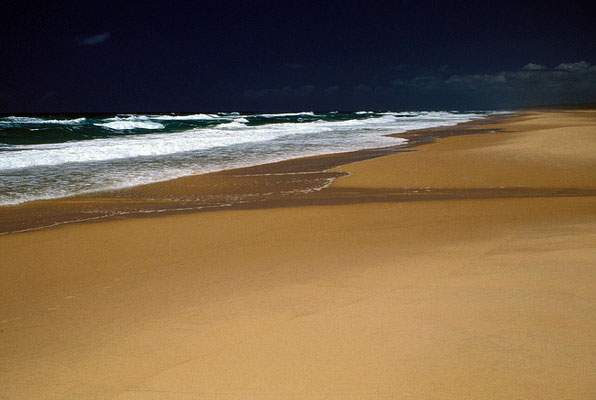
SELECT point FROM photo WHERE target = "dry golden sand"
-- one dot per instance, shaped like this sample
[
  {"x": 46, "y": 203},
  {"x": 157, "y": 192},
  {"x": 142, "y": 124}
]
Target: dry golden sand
[{"x": 463, "y": 298}]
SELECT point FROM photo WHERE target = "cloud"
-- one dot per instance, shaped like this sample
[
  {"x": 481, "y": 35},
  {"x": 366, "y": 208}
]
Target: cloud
[
  {"x": 533, "y": 67},
  {"x": 531, "y": 75},
  {"x": 581, "y": 66},
  {"x": 564, "y": 77},
  {"x": 478, "y": 79},
  {"x": 93, "y": 40},
  {"x": 533, "y": 84},
  {"x": 530, "y": 85}
]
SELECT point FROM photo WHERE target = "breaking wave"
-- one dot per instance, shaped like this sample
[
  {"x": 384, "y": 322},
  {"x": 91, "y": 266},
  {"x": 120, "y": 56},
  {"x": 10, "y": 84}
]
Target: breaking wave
[{"x": 132, "y": 122}]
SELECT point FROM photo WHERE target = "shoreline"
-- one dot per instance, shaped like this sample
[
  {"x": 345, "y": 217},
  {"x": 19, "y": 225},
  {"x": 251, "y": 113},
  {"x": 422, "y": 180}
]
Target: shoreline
[{"x": 295, "y": 177}]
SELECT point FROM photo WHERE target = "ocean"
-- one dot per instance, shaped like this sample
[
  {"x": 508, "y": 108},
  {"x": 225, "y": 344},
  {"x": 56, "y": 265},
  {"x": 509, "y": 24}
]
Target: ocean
[{"x": 53, "y": 156}]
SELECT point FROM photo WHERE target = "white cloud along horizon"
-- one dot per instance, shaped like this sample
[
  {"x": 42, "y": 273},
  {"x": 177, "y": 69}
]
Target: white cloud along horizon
[{"x": 531, "y": 84}]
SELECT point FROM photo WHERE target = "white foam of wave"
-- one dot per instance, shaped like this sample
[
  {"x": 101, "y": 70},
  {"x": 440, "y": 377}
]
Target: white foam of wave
[
  {"x": 141, "y": 145},
  {"x": 193, "y": 117},
  {"x": 296, "y": 114},
  {"x": 131, "y": 122},
  {"x": 124, "y": 125},
  {"x": 238, "y": 123},
  {"x": 341, "y": 135},
  {"x": 31, "y": 120},
  {"x": 160, "y": 144},
  {"x": 407, "y": 121},
  {"x": 232, "y": 125}
]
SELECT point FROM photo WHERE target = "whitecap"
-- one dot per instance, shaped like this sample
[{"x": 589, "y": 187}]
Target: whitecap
[
  {"x": 31, "y": 120},
  {"x": 130, "y": 122},
  {"x": 237, "y": 124},
  {"x": 296, "y": 114},
  {"x": 124, "y": 125},
  {"x": 192, "y": 117}
]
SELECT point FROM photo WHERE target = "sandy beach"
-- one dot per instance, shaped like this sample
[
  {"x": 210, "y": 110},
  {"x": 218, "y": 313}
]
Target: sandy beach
[{"x": 462, "y": 268}]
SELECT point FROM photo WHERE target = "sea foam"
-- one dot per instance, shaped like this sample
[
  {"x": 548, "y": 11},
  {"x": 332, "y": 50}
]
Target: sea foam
[
  {"x": 193, "y": 117},
  {"x": 305, "y": 134},
  {"x": 132, "y": 122},
  {"x": 296, "y": 114},
  {"x": 30, "y": 121}
]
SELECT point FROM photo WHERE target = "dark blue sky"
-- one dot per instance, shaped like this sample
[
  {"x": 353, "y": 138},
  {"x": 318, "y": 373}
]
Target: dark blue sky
[{"x": 283, "y": 56}]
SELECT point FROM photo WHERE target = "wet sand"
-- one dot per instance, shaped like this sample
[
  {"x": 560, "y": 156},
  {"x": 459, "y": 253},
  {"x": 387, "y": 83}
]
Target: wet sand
[{"x": 463, "y": 269}]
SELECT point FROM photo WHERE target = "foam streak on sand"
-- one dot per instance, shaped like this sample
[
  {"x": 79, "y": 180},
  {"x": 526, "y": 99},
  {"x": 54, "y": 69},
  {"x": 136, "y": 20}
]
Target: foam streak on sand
[{"x": 471, "y": 276}]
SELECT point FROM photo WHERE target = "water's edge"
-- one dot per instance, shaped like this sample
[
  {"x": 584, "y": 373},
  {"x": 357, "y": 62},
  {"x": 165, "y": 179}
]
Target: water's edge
[
  {"x": 294, "y": 182},
  {"x": 57, "y": 157}
]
